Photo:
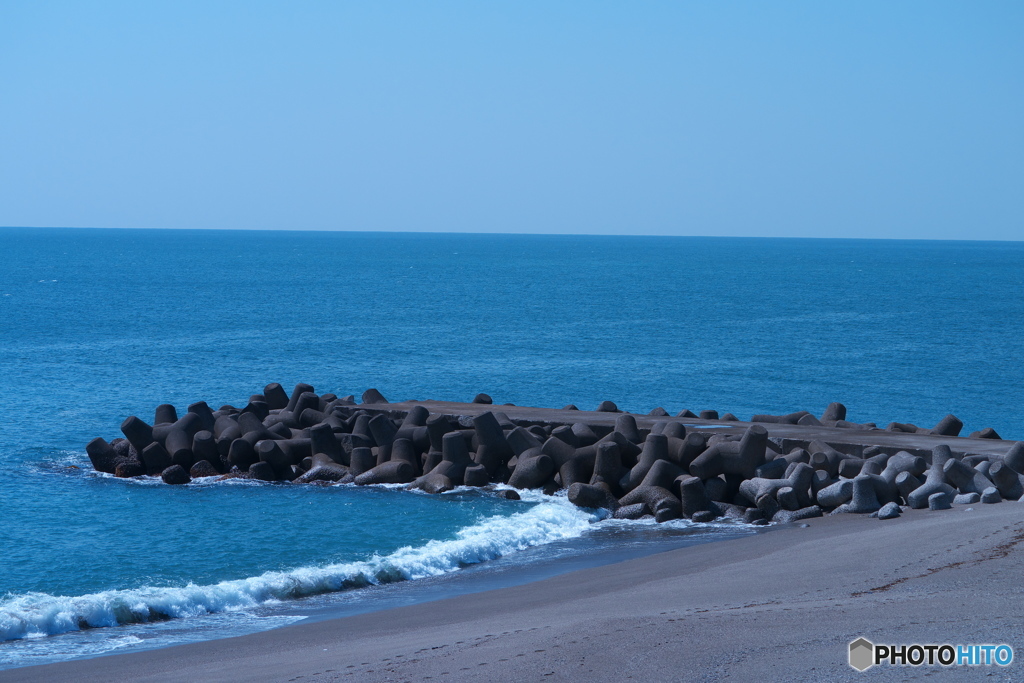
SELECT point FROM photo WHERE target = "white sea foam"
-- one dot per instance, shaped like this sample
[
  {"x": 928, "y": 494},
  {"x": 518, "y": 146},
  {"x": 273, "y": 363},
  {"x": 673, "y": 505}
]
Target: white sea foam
[{"x": 41, "y": 614}]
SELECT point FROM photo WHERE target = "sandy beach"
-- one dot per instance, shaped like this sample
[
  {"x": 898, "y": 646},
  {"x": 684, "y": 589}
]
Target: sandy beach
[
  {"x": 781, "y": 605},
  {"x": 511, "y": 342}
]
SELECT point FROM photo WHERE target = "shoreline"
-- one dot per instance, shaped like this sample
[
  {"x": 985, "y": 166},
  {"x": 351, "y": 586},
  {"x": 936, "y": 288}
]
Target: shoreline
[
  {"x": 606, "y": 542},
  {"x": 775, "y": 605},
  {"x": 604, "y": 547}
]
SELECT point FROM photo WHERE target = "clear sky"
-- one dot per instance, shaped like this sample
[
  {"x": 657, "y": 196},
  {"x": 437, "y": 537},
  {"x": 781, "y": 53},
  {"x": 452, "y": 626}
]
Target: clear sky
[{"x": 854, "y": 119}]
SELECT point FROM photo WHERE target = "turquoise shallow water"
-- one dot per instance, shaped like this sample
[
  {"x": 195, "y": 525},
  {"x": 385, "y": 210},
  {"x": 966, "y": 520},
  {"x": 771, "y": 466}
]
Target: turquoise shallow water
[{"x": 100, "y": 324}]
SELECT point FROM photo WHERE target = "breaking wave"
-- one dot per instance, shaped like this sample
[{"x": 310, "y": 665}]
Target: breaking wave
[{"x": 41, "y": 614}]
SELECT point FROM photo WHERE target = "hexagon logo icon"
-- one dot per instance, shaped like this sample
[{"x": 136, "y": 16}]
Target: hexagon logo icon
[{"x": 862, "y": 654}]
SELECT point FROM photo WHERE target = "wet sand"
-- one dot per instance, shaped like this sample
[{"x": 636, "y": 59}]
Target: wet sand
[{"x": 776, "y": 606}]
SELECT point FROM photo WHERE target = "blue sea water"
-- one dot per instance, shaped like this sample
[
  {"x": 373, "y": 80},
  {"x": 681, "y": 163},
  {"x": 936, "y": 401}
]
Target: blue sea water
[{"x": 101, "y": 324}]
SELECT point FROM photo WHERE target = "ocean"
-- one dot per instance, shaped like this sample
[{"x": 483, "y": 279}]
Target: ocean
[{"x": 102, "y": 324}]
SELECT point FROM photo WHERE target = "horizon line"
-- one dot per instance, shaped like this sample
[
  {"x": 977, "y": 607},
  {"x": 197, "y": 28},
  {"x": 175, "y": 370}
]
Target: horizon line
[{"x": 523, "y": 233}]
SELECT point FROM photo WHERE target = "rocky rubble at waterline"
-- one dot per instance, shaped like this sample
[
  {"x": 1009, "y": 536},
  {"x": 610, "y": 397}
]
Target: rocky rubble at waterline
[{"x": 666, "y": 470}]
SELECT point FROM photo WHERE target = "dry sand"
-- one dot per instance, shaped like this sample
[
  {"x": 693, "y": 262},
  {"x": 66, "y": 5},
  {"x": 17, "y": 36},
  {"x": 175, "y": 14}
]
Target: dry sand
[{"x": 778, "y": 606}]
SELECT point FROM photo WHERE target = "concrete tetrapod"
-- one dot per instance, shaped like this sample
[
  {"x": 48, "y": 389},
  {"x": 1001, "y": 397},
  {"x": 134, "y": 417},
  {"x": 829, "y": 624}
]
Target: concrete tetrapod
[
  {"x": 683, "y": 450},
  {"x": 271, "y": 453},
  {"x": 204, "y": 447},
  {"x": 592, "y": 496},
  {"x": 634, "y": 511},
  {"x": 323, "y": 469},
  {"x": 906, "y": 483},
  {"x": 885, "y": 490},
  {"x": 416, "y": 417},
  {"x": 834, "y": 495},
  {"x": 625, "y": 424},
  {"x": 454, "y": 458},
  {"x": 577, "y": 470},
  {"x": 935, "y": 481},
  {"x": 787, "y": 498},
  {"x": 275, "y": 396},
  {"x": 967, "y": 479},
  {"x": 799, "y": 481},
  {"x": 788, "y": 516},
  {"x": 991, "y": 495},
  {"x": 241, "y": 454},
  {"x": 717, "y": 489},
  {"x": 585, "y": 435},
  {"x": 522, "y": 440},
  {"x": 390, "y": 472},
  {"x": 864, "y": 498},
  {"x": 768, "y": 506},
  {"x": 175, "y": 474},
  {"x": 1014, "y": 458},
  {"x": 664, "y": 474},
  {"x": 565, "y": 433},
  {"x": 102, "y": 455},
  {"x": 300, "y": 389},
  {"x": 824, "y": 457},
  {"x": 201, "y": 469},
  {"x": 372, "y": 396},
  {"x": 948, "y": 426},
  {"x": 403, "y": 449},
  {"x": 475, "y": 475},
  {"x": 179, "y": 446},
  {"x": 903, "y": 462},
  {"x": 362, "y": 460},
  {"x": 156, "y": 459},
  {"x": 773, "y": 469},
  {"x": 262, "y": 471},
  {"x": 833, "y": 413},
  {"x": 138, "y": 433},
  {"x": 1006, "y": 480},
  {"x": 559, "y": 451},
  {"x": 129, "y": 462},
  {"x": 493, "y": 450},
  {"x": 205, "y": 413},
  {"x": 693, "y": 498},
  {"x": 740, "y": 458},
  {"x": 820, "y": 481},
  {"x": 673, "y": 430},
  {"x": 164, "y": 414},
  {"x": 383, "y": 431},
  {"x": 662, "y": 502},
  {"x": 809, "y": 421},
  {"x": 532, "y": 473},
  {"x": 655, "y": 449},
  {"x": 607, "y": 464},
  {"x": 322, "y": 440},
  {"x": 628, "y": 451}
]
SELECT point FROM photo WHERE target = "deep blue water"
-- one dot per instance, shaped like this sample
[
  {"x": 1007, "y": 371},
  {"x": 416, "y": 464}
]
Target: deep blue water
[{"x": 100, "y": 324}]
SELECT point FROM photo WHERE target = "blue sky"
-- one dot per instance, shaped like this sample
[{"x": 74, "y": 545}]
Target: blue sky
[{"x": 825, "y": 119}]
